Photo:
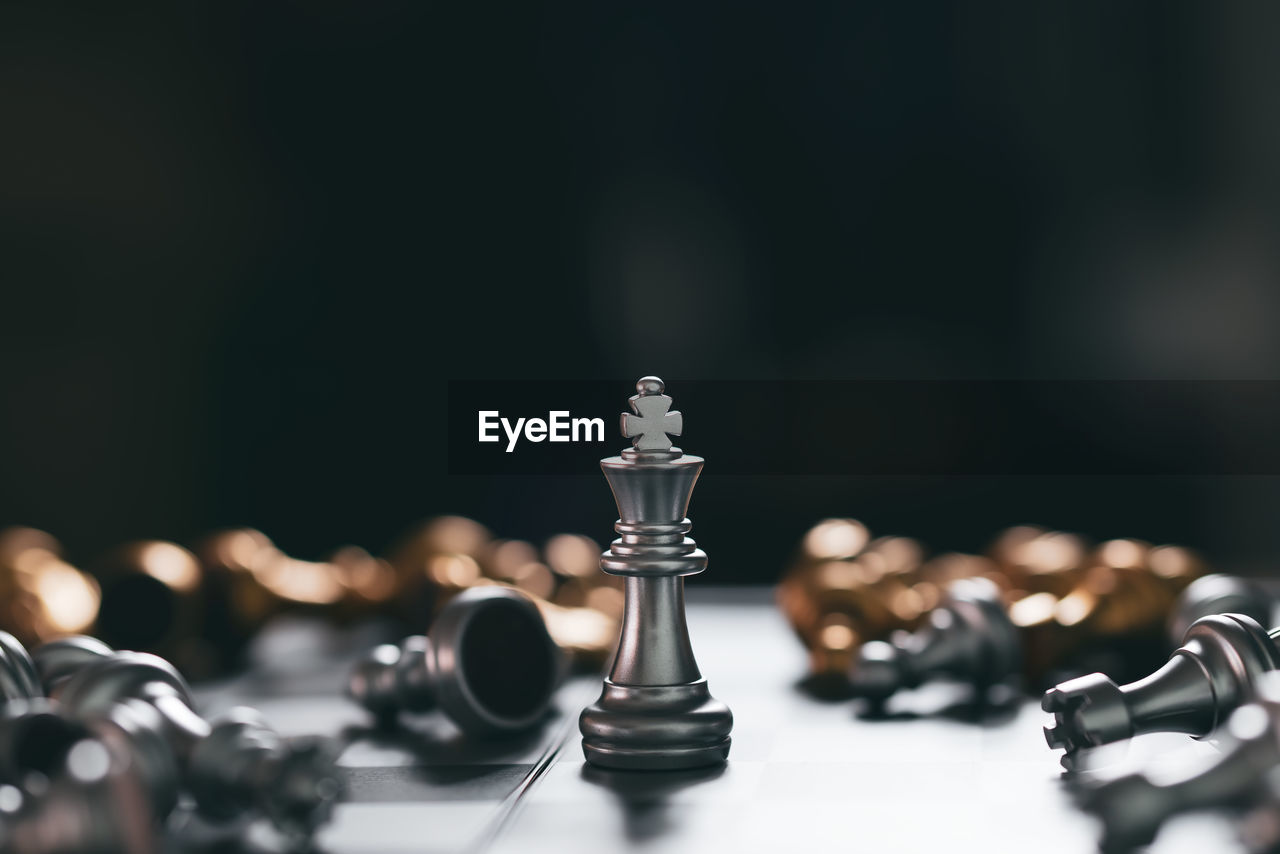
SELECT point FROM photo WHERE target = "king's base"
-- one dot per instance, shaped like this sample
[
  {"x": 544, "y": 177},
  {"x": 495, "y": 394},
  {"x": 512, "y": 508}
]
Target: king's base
[
  {"x": 666, "y": 759},
  {"x": 656, "y": 727}
]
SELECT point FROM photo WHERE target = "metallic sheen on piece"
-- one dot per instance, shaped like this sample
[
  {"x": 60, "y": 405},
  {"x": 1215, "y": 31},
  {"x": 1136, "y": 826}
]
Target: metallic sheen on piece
[
  {"x": 1218, "y": 594},
  {"x": 1132, "y": 808},
  {"x": 655, "y": 711},
  {"x": 1214, "y": 672},
  {"x": 141, "y": 708},
  {"x": 488, "y": 664},
  {"x": 968, "y": 636}
]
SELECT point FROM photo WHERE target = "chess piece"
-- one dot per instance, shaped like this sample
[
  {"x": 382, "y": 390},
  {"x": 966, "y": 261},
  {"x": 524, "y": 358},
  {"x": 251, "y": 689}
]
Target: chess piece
[
  {"x": 59, "y": 660},
  {"x": 655, "y": 711},
  {"x": 584, "y": 612},
  {"x": 41, "y": 595},
  {"x": 969, "y": 636},
  {"x": 515, "y": 562},
  {"x": 575, "y": 560},
  {"x": 435, "y": 561},
  {"x": 18, "y": 677},
  {"x": 1218, "y": 594},
  {"x": 232, "y": 766},
  {"x": 983, "y": 635},
  {"x": 261, "y": 581},
  {"x": 93, "y": 804},
  {"x": 931, "y": 579},
  {"x": 152, "y": 601},
  {"x": 1133, "y": 808},
  {"x": 1033, "y": 560},
  {"x": 845, "y": 589},
  {"x": 1215, "y": 671},
  {"x": 488, "y": 663}
]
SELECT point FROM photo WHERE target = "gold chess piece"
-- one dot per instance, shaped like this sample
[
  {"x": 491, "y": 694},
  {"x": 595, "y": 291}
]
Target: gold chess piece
[
  {"x": 988, "y": 636},
  {"x": 42, "y": 597},
  {"x": 844, "y": 589},
  {"x": 153, "y": 601},
  {"x": 449, "y": 554}
]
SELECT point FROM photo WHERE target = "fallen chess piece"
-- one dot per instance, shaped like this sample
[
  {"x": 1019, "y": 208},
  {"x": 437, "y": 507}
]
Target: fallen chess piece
[
  {"x": 92, "y": 804},
  {"x": 488, "y": 663},
  {"x": 233, "y": 766},
  {"x": 655, "y": 711},
  {"x": 978, "y": 636},
  {"x": 844, "y": 589},
  {"x": 1134, "y": 807},
  {"x": 969, "y": 637},
  {"x": 1031, "y": 559},
  {"x": 59, "y": 660},
  {"x": 1216, "y": 670},
  {"x": 248, "y": 581},
  {"x": 19, "y": 679},
  {"x": 1218, "y": 594}
]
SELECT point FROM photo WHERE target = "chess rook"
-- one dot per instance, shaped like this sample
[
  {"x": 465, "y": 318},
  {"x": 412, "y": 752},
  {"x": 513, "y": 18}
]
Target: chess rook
[
  {"x": 1216, "y": 669},
  {"x": 1133, "y": 808},
  {"x": 655, "y": 711},
  {"x": 488, "y": 664}
]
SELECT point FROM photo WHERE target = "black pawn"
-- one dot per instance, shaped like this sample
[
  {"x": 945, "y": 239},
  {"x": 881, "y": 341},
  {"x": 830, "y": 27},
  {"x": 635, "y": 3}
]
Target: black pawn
[
  {"x": 1214, "y": 672},
  {"x": 968, "y": 637},
  {"x": 233, "y": 766},
  {"x": 488, "y": 663}
]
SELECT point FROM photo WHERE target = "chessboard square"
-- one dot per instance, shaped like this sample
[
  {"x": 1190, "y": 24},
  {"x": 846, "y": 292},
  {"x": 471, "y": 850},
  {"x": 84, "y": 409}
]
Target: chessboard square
[
  {"x": 417, "y": 784},
  {"x": 905, "y": 826},
  {"x": 853, "y": 741},
  {"x": 406, "y": 747},
  {"x": 573, "y": 781},
  {"x": 649, "y": 827},
  {"x": 418, "y": 828},
  {"x": 879, "y": 782},
  {"x": 1032, "y": 785}
]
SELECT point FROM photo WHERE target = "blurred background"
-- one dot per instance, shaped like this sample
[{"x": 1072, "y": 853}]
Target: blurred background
[{"x": 245, "y": 245}]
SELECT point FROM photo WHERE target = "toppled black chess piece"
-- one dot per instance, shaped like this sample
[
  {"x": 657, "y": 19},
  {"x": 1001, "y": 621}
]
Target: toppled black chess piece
[
  {"x": 488, "y": 663},
  {"x": 968, "y": 637},
  {"x": 1133, "y": 808},
  {"x": 234, "y": 766},
  {"x": 92, "y": 804},
  {"x": 1218, "y": 594},
  {"x": 1214, "y": 672},
  {"x": 58, "y": 660}
]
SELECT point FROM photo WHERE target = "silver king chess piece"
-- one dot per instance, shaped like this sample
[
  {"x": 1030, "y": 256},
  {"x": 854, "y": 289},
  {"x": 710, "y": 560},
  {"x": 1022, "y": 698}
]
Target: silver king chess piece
[{"x": 655, "y": 711}]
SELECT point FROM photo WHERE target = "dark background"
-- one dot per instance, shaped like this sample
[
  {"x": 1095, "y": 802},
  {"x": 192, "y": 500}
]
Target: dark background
[{"x": 243, "y": 246}]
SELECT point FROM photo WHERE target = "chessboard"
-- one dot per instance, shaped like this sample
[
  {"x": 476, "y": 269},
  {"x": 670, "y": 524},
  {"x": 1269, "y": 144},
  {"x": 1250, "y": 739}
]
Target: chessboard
[{"x": 803, "y": 774}]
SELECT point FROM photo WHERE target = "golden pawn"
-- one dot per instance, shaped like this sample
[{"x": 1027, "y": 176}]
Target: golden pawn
[
  {"x": 1031, "y": 559},
  {"x": 1124, "y": 592},
  {"x": 844, "y": 589},
  {"x": 42, "y": 597},
  {"x": 249, "y": 580},
  {"x": 153, "y": 601},
  {"x": 449, "y": 554}
]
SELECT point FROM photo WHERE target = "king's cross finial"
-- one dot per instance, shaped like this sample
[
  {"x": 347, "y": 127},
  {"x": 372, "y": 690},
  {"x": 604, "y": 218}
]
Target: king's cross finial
[{"x": 648, "y": 427}]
